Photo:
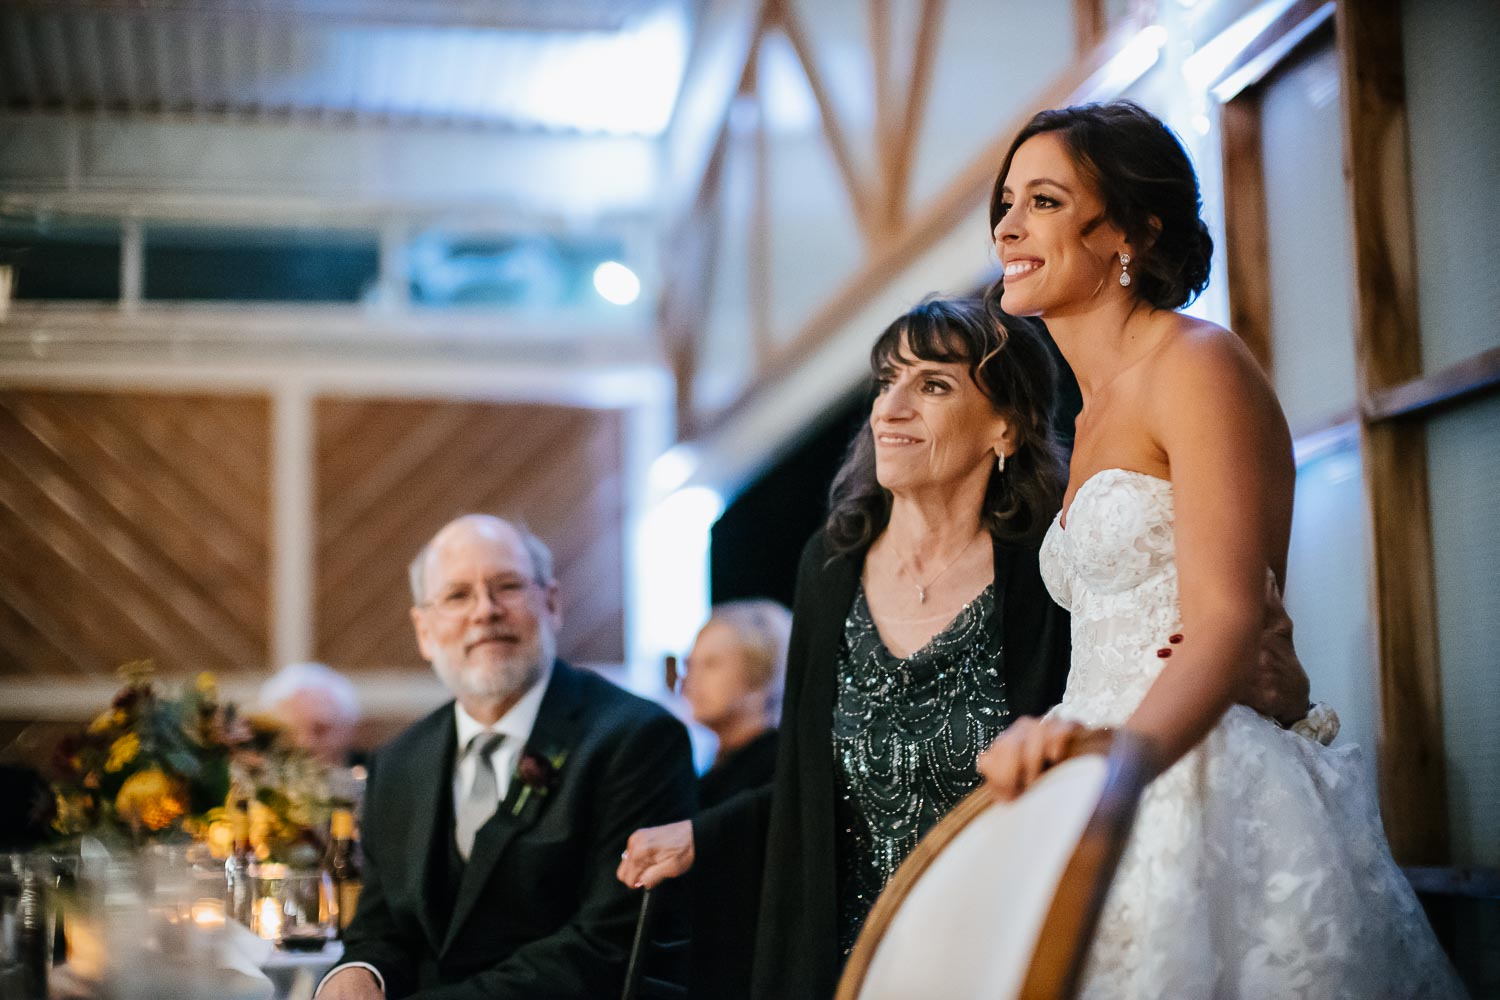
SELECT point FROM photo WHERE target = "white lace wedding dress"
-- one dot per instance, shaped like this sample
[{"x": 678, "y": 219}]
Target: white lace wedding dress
[{"x": 1257, "y": 867}]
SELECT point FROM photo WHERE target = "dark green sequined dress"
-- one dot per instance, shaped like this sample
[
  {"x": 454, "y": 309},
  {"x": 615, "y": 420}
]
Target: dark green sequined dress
[{"x": 906, "y": 735}]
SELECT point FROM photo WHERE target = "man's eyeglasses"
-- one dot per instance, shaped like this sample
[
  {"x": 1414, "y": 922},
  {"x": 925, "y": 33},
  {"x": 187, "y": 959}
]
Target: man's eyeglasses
[{"x": 461, "y": 599}]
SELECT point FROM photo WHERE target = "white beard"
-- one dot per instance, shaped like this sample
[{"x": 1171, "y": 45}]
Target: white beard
[{"x": 507, "y": 678}]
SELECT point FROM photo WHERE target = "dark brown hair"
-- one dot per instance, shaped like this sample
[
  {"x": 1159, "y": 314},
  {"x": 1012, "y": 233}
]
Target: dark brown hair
[
  {"x": 1009, "y": 361},
  {"x": 1148, "y": 186}
]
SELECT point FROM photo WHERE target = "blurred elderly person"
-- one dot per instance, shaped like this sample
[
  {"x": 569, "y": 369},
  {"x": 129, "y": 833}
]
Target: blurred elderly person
[
  {"x": 318, "y": 706},
  {"x": 735, "y": 675},
  {"x": 493, "y": 825}
]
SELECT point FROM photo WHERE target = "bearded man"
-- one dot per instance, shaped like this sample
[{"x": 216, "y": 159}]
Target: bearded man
[{"x": 492, "y": 828}]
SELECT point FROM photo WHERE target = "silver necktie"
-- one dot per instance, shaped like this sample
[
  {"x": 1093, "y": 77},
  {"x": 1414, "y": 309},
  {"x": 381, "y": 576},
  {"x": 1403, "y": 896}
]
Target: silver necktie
[{"x": 483, "y": 797}]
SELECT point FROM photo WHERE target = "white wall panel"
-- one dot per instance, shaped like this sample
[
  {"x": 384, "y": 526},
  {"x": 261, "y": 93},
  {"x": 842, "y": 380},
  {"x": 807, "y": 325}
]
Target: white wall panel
[
  {"x": 1311, "y": 267},
  {"x": 1328, "y": 593},
  {"x": 1452, "y": 82},
  {"x": 1464, "y": 462}
]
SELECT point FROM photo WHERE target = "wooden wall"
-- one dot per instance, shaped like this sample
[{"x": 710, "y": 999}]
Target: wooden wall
[
  {"x": 143, "y": 524},
  {"x": 391, "y": 472},
  {"x": 133, "y": 525}
]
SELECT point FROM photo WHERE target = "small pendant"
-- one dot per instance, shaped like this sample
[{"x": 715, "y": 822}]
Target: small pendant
[{"x": 921, "y": 596}]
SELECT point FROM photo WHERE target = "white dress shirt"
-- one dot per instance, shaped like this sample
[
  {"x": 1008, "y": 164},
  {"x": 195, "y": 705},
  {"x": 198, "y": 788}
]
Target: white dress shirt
[{"x": 516, "y": 725}]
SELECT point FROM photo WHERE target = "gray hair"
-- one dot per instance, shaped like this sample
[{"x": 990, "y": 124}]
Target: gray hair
[
  {"x": 763, "y": 628},
  {"x": 541, "y": 557},
  {"x": 297, "y": 677}
]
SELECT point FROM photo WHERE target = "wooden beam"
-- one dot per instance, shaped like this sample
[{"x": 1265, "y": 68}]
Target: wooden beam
[
  {"x": 1089, "y": 27},
  {"x": 1469, "y": 378},
  {"x": 762, "y": 341},
  {"x": 1305, "y": 24},
  {"x": 1471, "y": 883},
  {"x": 902, "y": 144},
  {"x": 884, "y": 85},
  {"x": 722, "y": 51},
  {"x": 682, "y": 311},
  {"x": 833, "y": 129},
  {"x": 1086, "y": 80},
  {"x": 1245, "y": 220},
  {"x": 1409, "y": 740}
]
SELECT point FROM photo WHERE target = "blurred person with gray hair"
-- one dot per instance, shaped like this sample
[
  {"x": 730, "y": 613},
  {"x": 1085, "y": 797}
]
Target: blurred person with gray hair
[
  {"x": 734, "y": 679},
  {"x": 319, "y": 707}
]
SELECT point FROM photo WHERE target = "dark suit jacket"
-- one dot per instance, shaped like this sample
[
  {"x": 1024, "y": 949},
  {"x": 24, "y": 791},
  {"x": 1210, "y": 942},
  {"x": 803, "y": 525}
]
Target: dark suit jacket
[
  {"x": 536, "y": 912},
  {"x": 787, "y": 832}
]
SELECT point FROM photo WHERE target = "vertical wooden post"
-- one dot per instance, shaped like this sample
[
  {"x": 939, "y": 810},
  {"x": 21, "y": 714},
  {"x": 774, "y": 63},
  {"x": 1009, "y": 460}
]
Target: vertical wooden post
[
  {"x": 1248, "y": 246},
  {"x": 1413, "y": 777},
  {"x": 1088, "y": 25},
  {"x": 759, "y": 262}
]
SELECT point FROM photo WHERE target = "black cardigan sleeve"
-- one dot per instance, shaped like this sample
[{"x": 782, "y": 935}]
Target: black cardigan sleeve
[
  {"x": 730, "y": 840},
  {"x": 1037, "y": 637}
]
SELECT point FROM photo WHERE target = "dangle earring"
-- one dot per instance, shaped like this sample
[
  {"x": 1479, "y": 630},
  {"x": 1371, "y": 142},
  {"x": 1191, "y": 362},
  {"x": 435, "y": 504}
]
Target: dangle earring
[
  {"x": 1125, "y": 270},
  {"x": 1000, "y": 462}
]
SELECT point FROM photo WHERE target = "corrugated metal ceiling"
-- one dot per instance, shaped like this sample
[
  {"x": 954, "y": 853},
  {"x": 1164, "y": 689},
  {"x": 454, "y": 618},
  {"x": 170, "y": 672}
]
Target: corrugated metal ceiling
[{"x": 585, "y": 65}]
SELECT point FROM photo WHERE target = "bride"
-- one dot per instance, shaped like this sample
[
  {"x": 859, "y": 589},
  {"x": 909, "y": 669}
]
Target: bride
[{"x": 1257, "y": 866}]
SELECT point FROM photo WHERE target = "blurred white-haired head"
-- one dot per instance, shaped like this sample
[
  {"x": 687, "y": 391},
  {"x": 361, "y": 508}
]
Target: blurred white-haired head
[{"x": 318, "y": 705}]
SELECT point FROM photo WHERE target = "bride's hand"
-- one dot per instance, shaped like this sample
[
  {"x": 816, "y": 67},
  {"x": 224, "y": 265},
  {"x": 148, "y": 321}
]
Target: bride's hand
[
  {"x": 1021, "y": 753},
  {"x": 1278, "y": 686},
  {"x": 656, "y": 853}
]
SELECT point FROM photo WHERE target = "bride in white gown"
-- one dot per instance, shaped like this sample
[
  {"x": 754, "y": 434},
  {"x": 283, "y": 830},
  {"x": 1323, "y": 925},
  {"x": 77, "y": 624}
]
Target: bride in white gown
[{"x": 1257, "y": 866}]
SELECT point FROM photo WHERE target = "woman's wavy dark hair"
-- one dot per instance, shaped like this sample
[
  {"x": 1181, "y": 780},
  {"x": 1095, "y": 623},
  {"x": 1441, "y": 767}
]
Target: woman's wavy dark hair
[
  {"x": 1148, "y": 186},
  {"x": 1009, "y": 361}
]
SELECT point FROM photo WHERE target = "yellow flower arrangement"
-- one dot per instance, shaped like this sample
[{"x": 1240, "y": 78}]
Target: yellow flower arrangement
[
  {"x": 145, "y": 766},
  {"x": 154, "y": 767}
]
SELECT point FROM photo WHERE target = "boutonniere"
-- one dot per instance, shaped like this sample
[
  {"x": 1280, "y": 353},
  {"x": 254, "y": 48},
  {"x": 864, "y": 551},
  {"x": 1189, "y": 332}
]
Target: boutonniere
[{"x": 536, "y": 773}]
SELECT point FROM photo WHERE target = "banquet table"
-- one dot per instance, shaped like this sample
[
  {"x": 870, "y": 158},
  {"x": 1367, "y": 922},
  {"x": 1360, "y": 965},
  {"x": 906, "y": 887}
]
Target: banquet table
[{"x": 295, "y": 974}]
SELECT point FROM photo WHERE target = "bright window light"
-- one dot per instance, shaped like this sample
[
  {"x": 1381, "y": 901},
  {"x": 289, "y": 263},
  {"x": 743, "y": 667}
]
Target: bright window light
[
  {"x": 616, "y": 283},
  {"x": 672, "y": 468},
  {"x": 672, "y": 570}
]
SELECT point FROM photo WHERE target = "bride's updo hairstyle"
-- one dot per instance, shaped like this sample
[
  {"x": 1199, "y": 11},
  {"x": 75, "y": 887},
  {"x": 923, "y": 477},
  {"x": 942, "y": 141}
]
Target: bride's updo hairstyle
[
  {"x": 1149, "y": 190},
  {"x": 1009, "y": 361}
]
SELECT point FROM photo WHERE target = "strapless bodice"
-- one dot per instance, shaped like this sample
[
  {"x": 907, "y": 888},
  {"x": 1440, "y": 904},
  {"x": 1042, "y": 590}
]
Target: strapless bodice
[{"x": 1114, "y": 568}]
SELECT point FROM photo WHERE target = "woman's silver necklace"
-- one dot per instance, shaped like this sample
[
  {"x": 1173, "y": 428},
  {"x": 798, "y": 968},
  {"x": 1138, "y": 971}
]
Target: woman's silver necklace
[{"x": 923, "y": 587}]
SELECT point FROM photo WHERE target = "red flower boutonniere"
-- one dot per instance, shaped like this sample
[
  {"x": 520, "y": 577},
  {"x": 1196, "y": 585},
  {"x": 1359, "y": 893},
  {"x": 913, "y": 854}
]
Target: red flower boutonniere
[{"x": 537, "y": 774}]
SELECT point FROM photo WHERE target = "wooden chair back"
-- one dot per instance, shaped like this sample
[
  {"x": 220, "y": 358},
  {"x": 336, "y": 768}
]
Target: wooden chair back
[{"x": 1000, "y": 899}]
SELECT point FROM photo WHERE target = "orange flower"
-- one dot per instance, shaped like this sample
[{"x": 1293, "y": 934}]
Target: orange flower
[{"x": 151, "y": 799}]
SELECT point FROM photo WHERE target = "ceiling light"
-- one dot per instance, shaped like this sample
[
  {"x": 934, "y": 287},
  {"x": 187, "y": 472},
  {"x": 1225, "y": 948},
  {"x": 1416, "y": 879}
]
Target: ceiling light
[{"x": 616, "y": 283}]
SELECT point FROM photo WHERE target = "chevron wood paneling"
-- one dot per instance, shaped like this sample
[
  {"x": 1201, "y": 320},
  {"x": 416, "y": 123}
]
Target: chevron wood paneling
[
  {"x": 133, "y": 525},
  {"x": 389, "y": 473}
]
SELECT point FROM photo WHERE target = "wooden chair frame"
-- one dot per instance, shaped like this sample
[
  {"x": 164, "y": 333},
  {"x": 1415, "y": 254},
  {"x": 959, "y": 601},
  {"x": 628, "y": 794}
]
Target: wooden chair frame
[{"x": 1062, "y": 945}]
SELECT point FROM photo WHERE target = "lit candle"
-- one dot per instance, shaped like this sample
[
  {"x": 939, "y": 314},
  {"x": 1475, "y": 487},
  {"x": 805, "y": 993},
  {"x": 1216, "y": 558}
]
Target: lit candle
[
  {"x": 208, "y": 914},
  {"x": 270, "y": 920}
]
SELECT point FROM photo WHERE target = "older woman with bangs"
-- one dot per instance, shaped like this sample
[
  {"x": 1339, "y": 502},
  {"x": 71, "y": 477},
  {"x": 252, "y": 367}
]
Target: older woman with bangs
[{"x": 921, "y": 628}]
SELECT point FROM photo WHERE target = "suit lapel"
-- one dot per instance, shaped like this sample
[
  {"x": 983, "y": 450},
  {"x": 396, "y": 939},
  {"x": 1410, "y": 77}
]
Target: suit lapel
[
  {"x": 554, "y": 732},
  {"x": 437, "y": 745}
]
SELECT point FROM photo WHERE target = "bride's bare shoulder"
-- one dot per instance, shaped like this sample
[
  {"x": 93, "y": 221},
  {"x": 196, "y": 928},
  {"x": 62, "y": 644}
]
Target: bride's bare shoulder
[{"x": 1197, "y": 352}]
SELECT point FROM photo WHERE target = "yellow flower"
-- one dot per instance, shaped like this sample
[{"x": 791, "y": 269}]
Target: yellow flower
[
  {"x": 220, "y": 839},
  {"x": 208, "y": 685},
  {"x": 122, "y": 752},
  {"x": 151, "y": 799},
  {"x": 103, "y": 721},
  {"x": 72, "y": 812}
]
